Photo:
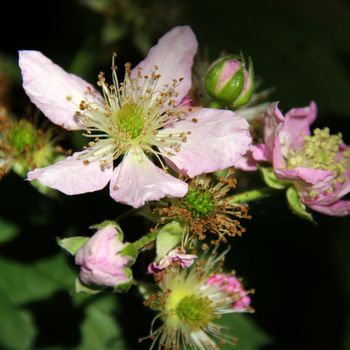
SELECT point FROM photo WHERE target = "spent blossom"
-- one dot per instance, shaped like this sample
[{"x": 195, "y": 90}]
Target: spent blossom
[
  {"x": 175, "y": 256},
  {"x": 138, "y": 119}
]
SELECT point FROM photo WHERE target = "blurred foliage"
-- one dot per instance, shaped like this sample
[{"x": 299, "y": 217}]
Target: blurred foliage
[{"x": 300, "y": 271}]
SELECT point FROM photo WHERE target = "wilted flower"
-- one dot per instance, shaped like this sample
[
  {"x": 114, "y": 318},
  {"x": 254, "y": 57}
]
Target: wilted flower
[
  {"x": 229, "y": 82},
  {"x": 318, "y": 164},
  {"x": 176, "y": 256},
  {"x": 24, "y": 146},
  {"x": 101, "y": 261},
  {"x": 206, "y": 209},
  {"x": 142, "y": 116},
  {"x": 189, "y": 302}
]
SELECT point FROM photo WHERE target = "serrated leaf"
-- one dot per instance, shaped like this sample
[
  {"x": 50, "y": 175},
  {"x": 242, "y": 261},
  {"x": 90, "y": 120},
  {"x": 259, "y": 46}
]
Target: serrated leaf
[
  {"x": 17, "y": 331},
  {"x": 100, "y": 330},
  {"x": 270, "y": 178},
  {"x": 296, "y": 206},
  {"x": 8, "y": 230},
  {"x": 25, "y": 283},
  {"x": 72, "y": 244},
  {"x": 250, "y": 335}
]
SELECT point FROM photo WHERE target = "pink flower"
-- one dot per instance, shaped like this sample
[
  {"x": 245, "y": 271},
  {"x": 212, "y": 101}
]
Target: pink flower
[
  {"x": 175, "y": 256},
  {"x": 317, "y": 165},
  {"x": 99, "y": 261},
  {"x": 139, "y": 119},
  {"x": 232, "y": 286}
]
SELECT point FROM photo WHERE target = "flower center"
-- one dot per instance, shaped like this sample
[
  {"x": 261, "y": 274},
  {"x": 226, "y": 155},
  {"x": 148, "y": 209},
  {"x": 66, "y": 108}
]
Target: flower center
[
  {"x": 321, "y": 151},
  {"x": 195, "y": 311},
  {"x": 201, "y": 203},
  {"x": 130, "y": 120}
]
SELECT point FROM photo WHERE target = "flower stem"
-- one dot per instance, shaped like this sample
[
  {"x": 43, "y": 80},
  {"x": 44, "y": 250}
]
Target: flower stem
[
  {"x": 145, "y": 240},
  {"x": 251, "y": 195}
]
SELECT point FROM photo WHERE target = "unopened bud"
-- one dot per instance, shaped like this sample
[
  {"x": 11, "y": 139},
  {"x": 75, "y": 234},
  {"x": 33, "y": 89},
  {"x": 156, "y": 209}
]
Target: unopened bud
[{"x": 229, "y": 82}]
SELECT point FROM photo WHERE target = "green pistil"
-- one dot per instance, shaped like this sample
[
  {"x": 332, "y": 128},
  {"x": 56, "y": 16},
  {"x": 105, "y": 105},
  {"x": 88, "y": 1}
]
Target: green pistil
[
  {"x": 195, "y": 311},
  {"x": 200, "y": 203},
  {"x": 319, "y": 152},
  {"x": 22, "y": 134},
  {"x": 130, "y": 120}
]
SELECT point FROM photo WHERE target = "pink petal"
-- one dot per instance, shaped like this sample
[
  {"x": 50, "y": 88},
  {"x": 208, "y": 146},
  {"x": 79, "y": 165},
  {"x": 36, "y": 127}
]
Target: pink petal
[
  {"x": 260, "y": 153},
  {"x": 247, "y": 162},
  {"x": 289, "y": 135},
  {"x": 340, "y": 208},
  {"x": 272, "y": 120},
  {"x": 137, "y": 180},
  {"x": 297, "y": 125},
  {"x": 174, "y": 57},
  {"x": 219, "y": 139},
  {"x": 48, "y": 87},
  {"x": 71, "y": 176},
  {"x": 309, "y": 175}
]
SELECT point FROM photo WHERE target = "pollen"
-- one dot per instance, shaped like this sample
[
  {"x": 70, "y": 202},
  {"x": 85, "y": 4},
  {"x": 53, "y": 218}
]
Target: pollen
[{"x": 321, "y": 151}]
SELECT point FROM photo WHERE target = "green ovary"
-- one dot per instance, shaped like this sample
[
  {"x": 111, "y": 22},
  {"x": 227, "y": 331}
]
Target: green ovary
[
  {"x": 200, "y": 203},
  {"x": 130, "y": 120},
  {"x": 319, "y": 152},
  {"x": 195, "y": 311}
]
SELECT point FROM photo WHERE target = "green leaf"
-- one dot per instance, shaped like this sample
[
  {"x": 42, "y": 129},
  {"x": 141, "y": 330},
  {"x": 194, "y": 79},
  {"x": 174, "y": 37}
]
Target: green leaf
[
  {"x": 8, "y": 231},
  {"x": 25, "y": 283},
  {"x": 72, "y": 244},
  {"x": 296, "y": 206},
  {"x": 250, "y": 335},
  {"x": 17, "y": 330},
  {"x": 169, "y": 236},
  {"x": 270, "y": 178},
  {"x": 100, "y": 330}
]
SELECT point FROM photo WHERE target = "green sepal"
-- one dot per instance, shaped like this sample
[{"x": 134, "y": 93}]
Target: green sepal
[
  {"x": 245, "y": 96},
  {"x": 271, "y": 180},
  {"x": 296, "y": 206},
  {"x": 72, "y": 244},
  {"x": 83, "y": 288},
  {"x": 124, "y": 287},
  {"x": 169, "y": 236},
  {"x": 130, "y": 251},
  {"x": 106, "y": 223}
]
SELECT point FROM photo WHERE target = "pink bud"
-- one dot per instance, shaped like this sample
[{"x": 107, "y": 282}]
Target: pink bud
[{"x": 99, "y": 261}]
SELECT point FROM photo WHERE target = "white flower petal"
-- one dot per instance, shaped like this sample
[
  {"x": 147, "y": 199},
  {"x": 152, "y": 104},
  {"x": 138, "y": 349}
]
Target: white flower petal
[
  {"x": 219, "y": 139},
  {"x": 50, "y": 87},
  {"x": 173, "y": 55},
  {"x": 137, "y": 180},
  {"x": 71, "y": 176}
]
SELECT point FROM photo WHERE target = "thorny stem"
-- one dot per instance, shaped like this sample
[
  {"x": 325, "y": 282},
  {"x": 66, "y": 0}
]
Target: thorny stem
[{"x": 251, "y": 195}]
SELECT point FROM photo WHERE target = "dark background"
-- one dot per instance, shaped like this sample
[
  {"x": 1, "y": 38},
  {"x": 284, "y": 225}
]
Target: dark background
[{"x": 301, "y": 272}]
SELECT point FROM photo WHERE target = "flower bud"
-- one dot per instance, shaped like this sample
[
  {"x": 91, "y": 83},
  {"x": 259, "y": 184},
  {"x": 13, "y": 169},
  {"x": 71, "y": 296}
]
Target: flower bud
[
  {"x": 229, "y": 82},
  {"x": 101, "y": 261}
]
